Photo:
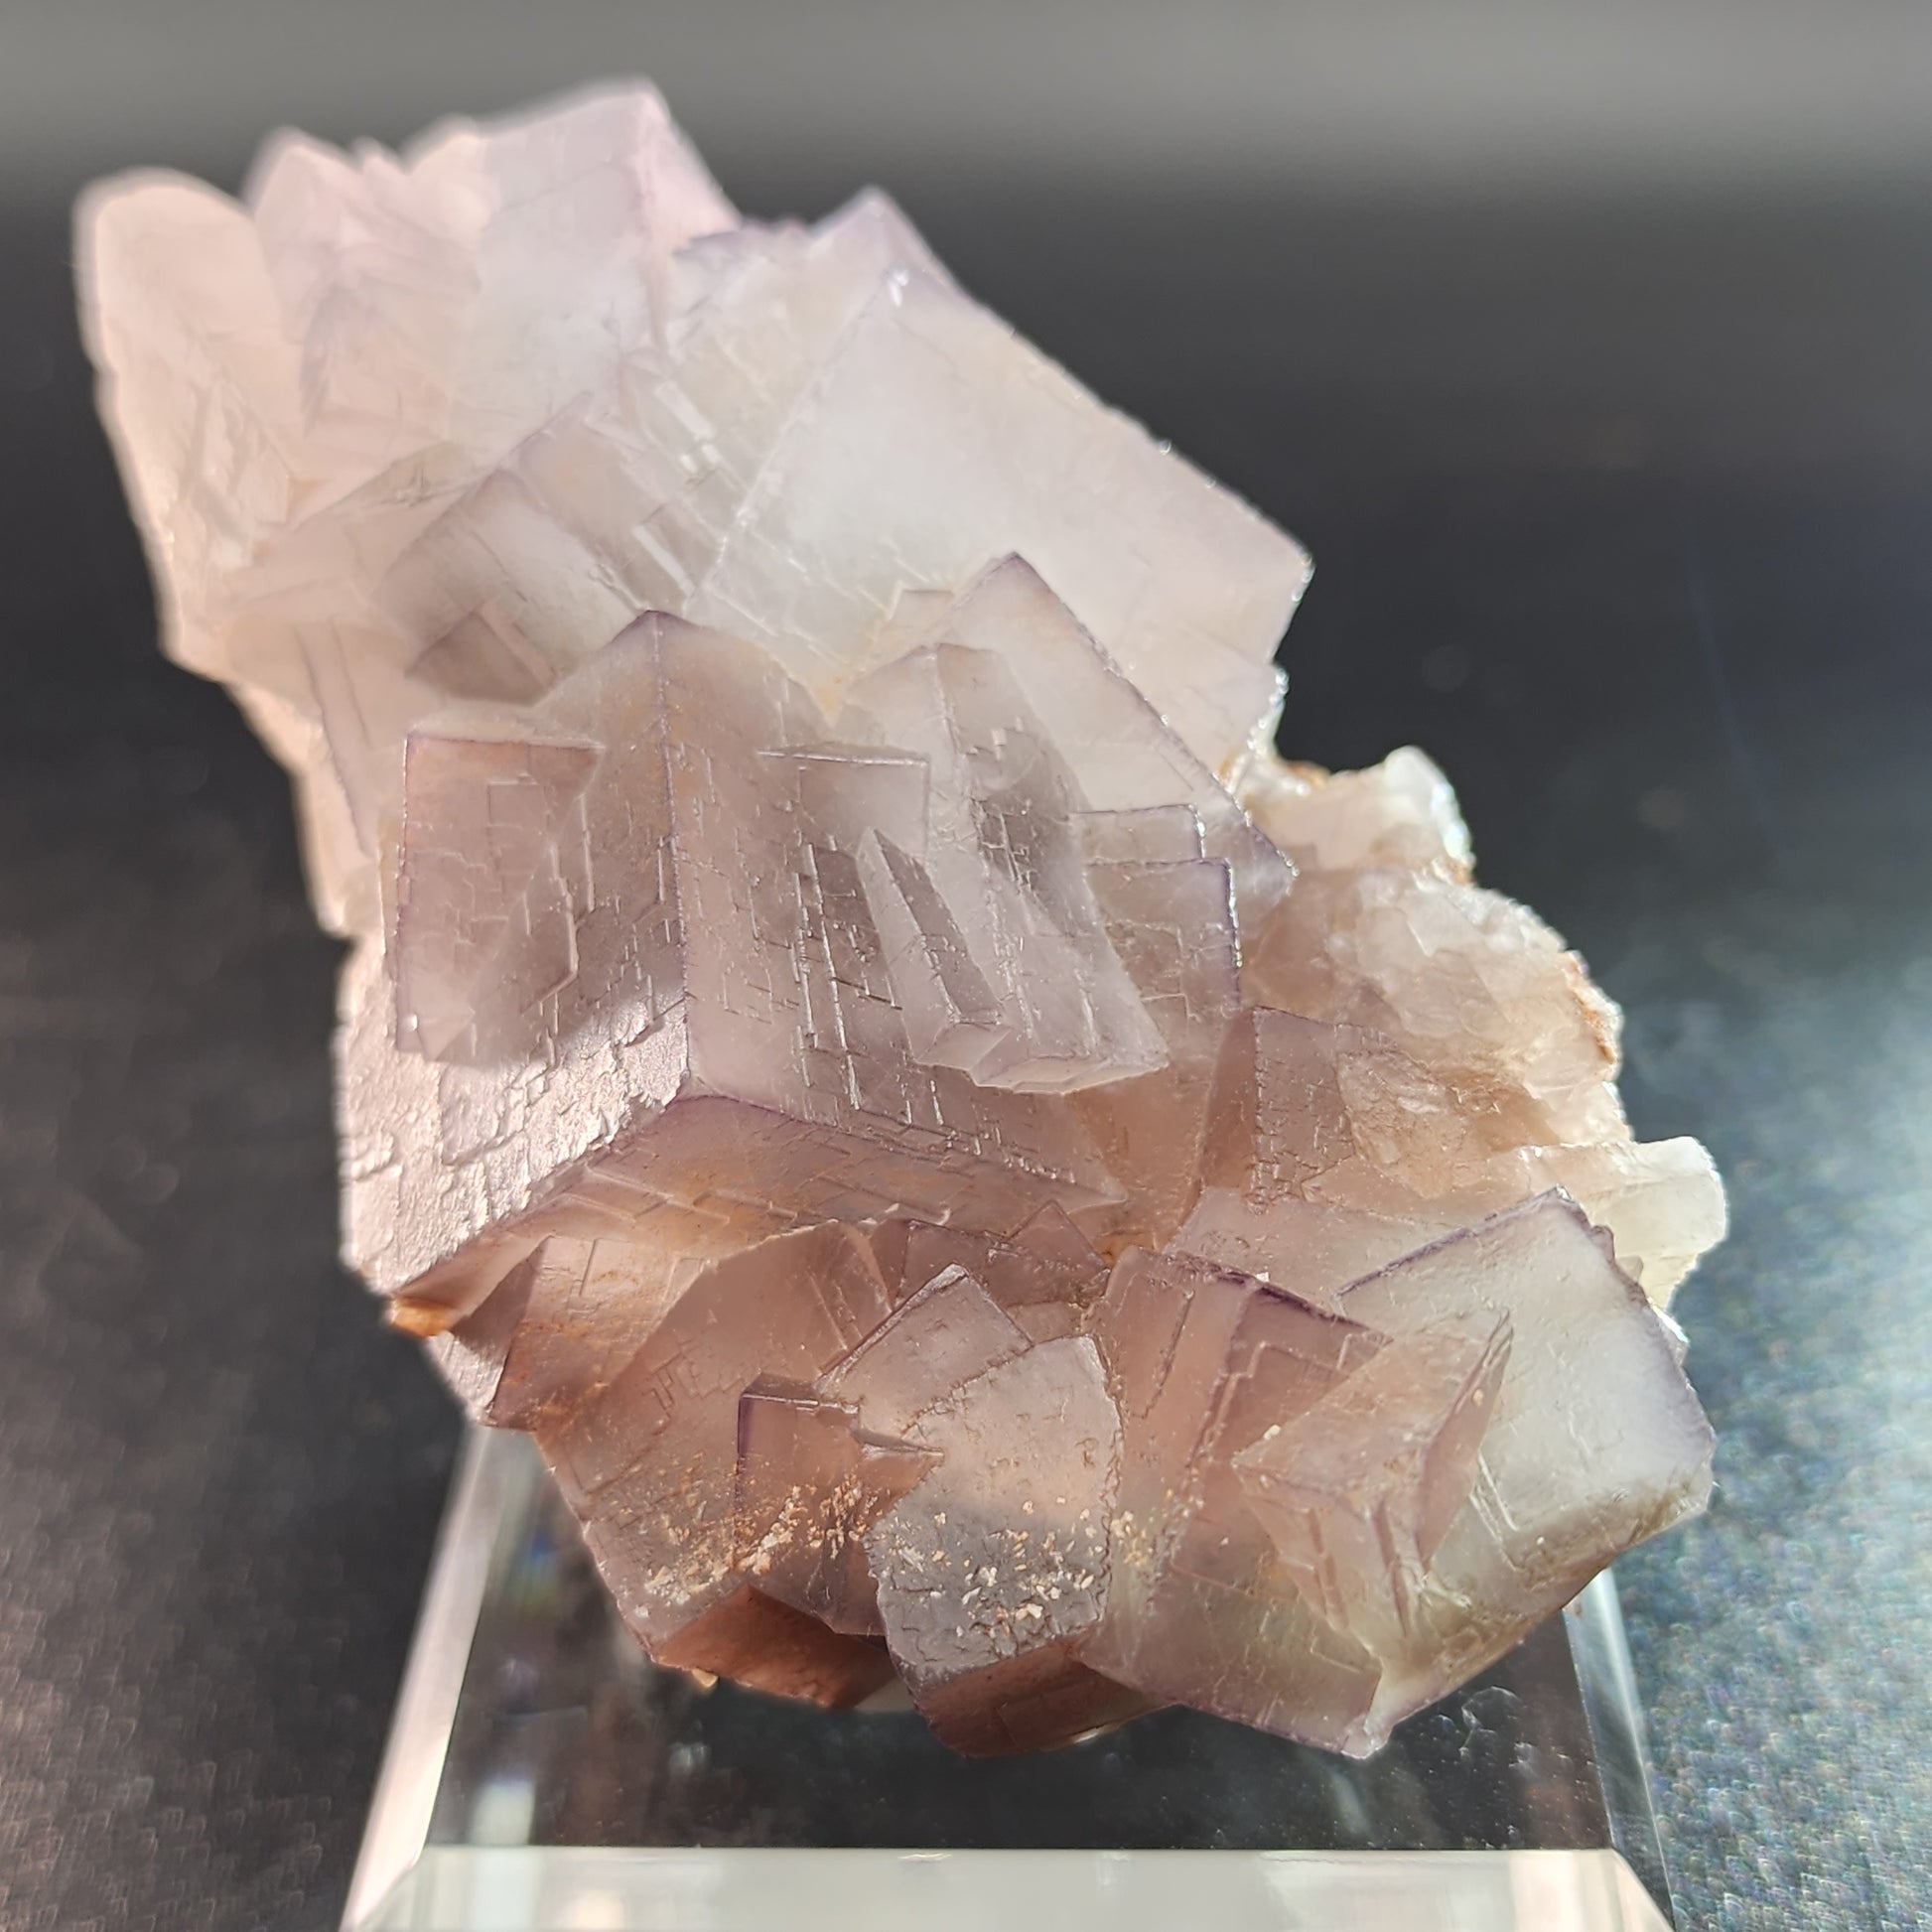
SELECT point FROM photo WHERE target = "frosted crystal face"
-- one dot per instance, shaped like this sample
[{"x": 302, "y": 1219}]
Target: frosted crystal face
[{"x": 971, "y": 1168}]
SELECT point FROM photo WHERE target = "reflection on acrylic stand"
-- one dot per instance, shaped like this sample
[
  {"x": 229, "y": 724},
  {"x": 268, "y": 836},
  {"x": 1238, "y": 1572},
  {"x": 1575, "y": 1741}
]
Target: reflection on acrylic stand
[{"x": 540, "y": 1773}]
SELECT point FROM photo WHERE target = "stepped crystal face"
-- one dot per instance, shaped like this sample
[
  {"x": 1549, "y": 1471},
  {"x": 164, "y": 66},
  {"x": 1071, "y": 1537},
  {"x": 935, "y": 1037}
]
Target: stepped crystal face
[{"x": 971, "y": 1168}]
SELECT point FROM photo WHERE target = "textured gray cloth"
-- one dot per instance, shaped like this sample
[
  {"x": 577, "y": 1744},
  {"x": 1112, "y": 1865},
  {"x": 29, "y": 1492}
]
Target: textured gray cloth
[{"x": 1618, "y": 514}]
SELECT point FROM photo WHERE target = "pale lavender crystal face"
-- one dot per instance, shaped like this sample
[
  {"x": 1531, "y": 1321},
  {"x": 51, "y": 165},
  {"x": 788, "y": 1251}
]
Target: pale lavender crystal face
[{"x": 972, "y": 1169}]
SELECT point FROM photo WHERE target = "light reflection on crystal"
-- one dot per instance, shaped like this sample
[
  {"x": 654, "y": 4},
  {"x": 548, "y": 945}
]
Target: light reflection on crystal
[{"x": 970, "y": 1167}]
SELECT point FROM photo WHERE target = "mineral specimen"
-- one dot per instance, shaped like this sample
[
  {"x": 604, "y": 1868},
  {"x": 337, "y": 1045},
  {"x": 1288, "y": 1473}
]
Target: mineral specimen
[{"x": 969, "y": 1166}]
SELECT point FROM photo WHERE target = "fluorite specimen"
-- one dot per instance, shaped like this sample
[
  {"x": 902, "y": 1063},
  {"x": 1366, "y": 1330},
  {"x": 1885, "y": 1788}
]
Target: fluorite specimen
[{"x": 969, "y": 1166}]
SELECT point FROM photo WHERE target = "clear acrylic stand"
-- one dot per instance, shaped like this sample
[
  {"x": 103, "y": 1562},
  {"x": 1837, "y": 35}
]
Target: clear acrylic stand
[{"x": 540, "y": 1773}]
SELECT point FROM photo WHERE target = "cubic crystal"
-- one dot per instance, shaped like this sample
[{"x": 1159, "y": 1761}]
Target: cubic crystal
[{"x": 970, "y": 1167}]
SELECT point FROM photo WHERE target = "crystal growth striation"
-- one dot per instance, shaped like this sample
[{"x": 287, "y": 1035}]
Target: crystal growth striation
[{"x": 971, "y": 1168}]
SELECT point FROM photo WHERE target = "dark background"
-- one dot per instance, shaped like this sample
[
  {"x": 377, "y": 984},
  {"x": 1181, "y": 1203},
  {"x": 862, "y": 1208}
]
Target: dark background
[{"x": 1591, "y": 355}]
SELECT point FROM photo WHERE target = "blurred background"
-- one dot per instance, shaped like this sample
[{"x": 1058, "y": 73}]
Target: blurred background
[{"x": 1591, "y": 351}]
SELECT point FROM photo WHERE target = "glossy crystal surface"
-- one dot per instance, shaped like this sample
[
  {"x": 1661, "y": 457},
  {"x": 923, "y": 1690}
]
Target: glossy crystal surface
[{"x": 973, "y": 1170}]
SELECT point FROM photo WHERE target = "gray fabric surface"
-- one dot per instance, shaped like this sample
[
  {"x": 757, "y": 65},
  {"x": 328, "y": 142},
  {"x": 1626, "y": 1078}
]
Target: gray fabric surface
[{"x": 1623, "y": 515}]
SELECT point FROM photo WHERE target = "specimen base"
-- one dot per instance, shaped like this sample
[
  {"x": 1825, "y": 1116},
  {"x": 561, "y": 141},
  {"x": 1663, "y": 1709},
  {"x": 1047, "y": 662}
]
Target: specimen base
[{"x": 541, "y": 1774}]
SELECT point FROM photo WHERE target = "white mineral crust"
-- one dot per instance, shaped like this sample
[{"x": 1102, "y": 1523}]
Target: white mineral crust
[{"x": 967, "y": 1165}]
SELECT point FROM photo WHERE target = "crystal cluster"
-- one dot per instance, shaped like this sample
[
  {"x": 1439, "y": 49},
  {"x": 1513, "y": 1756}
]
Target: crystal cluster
[{"x": 971, "y": 1168}]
